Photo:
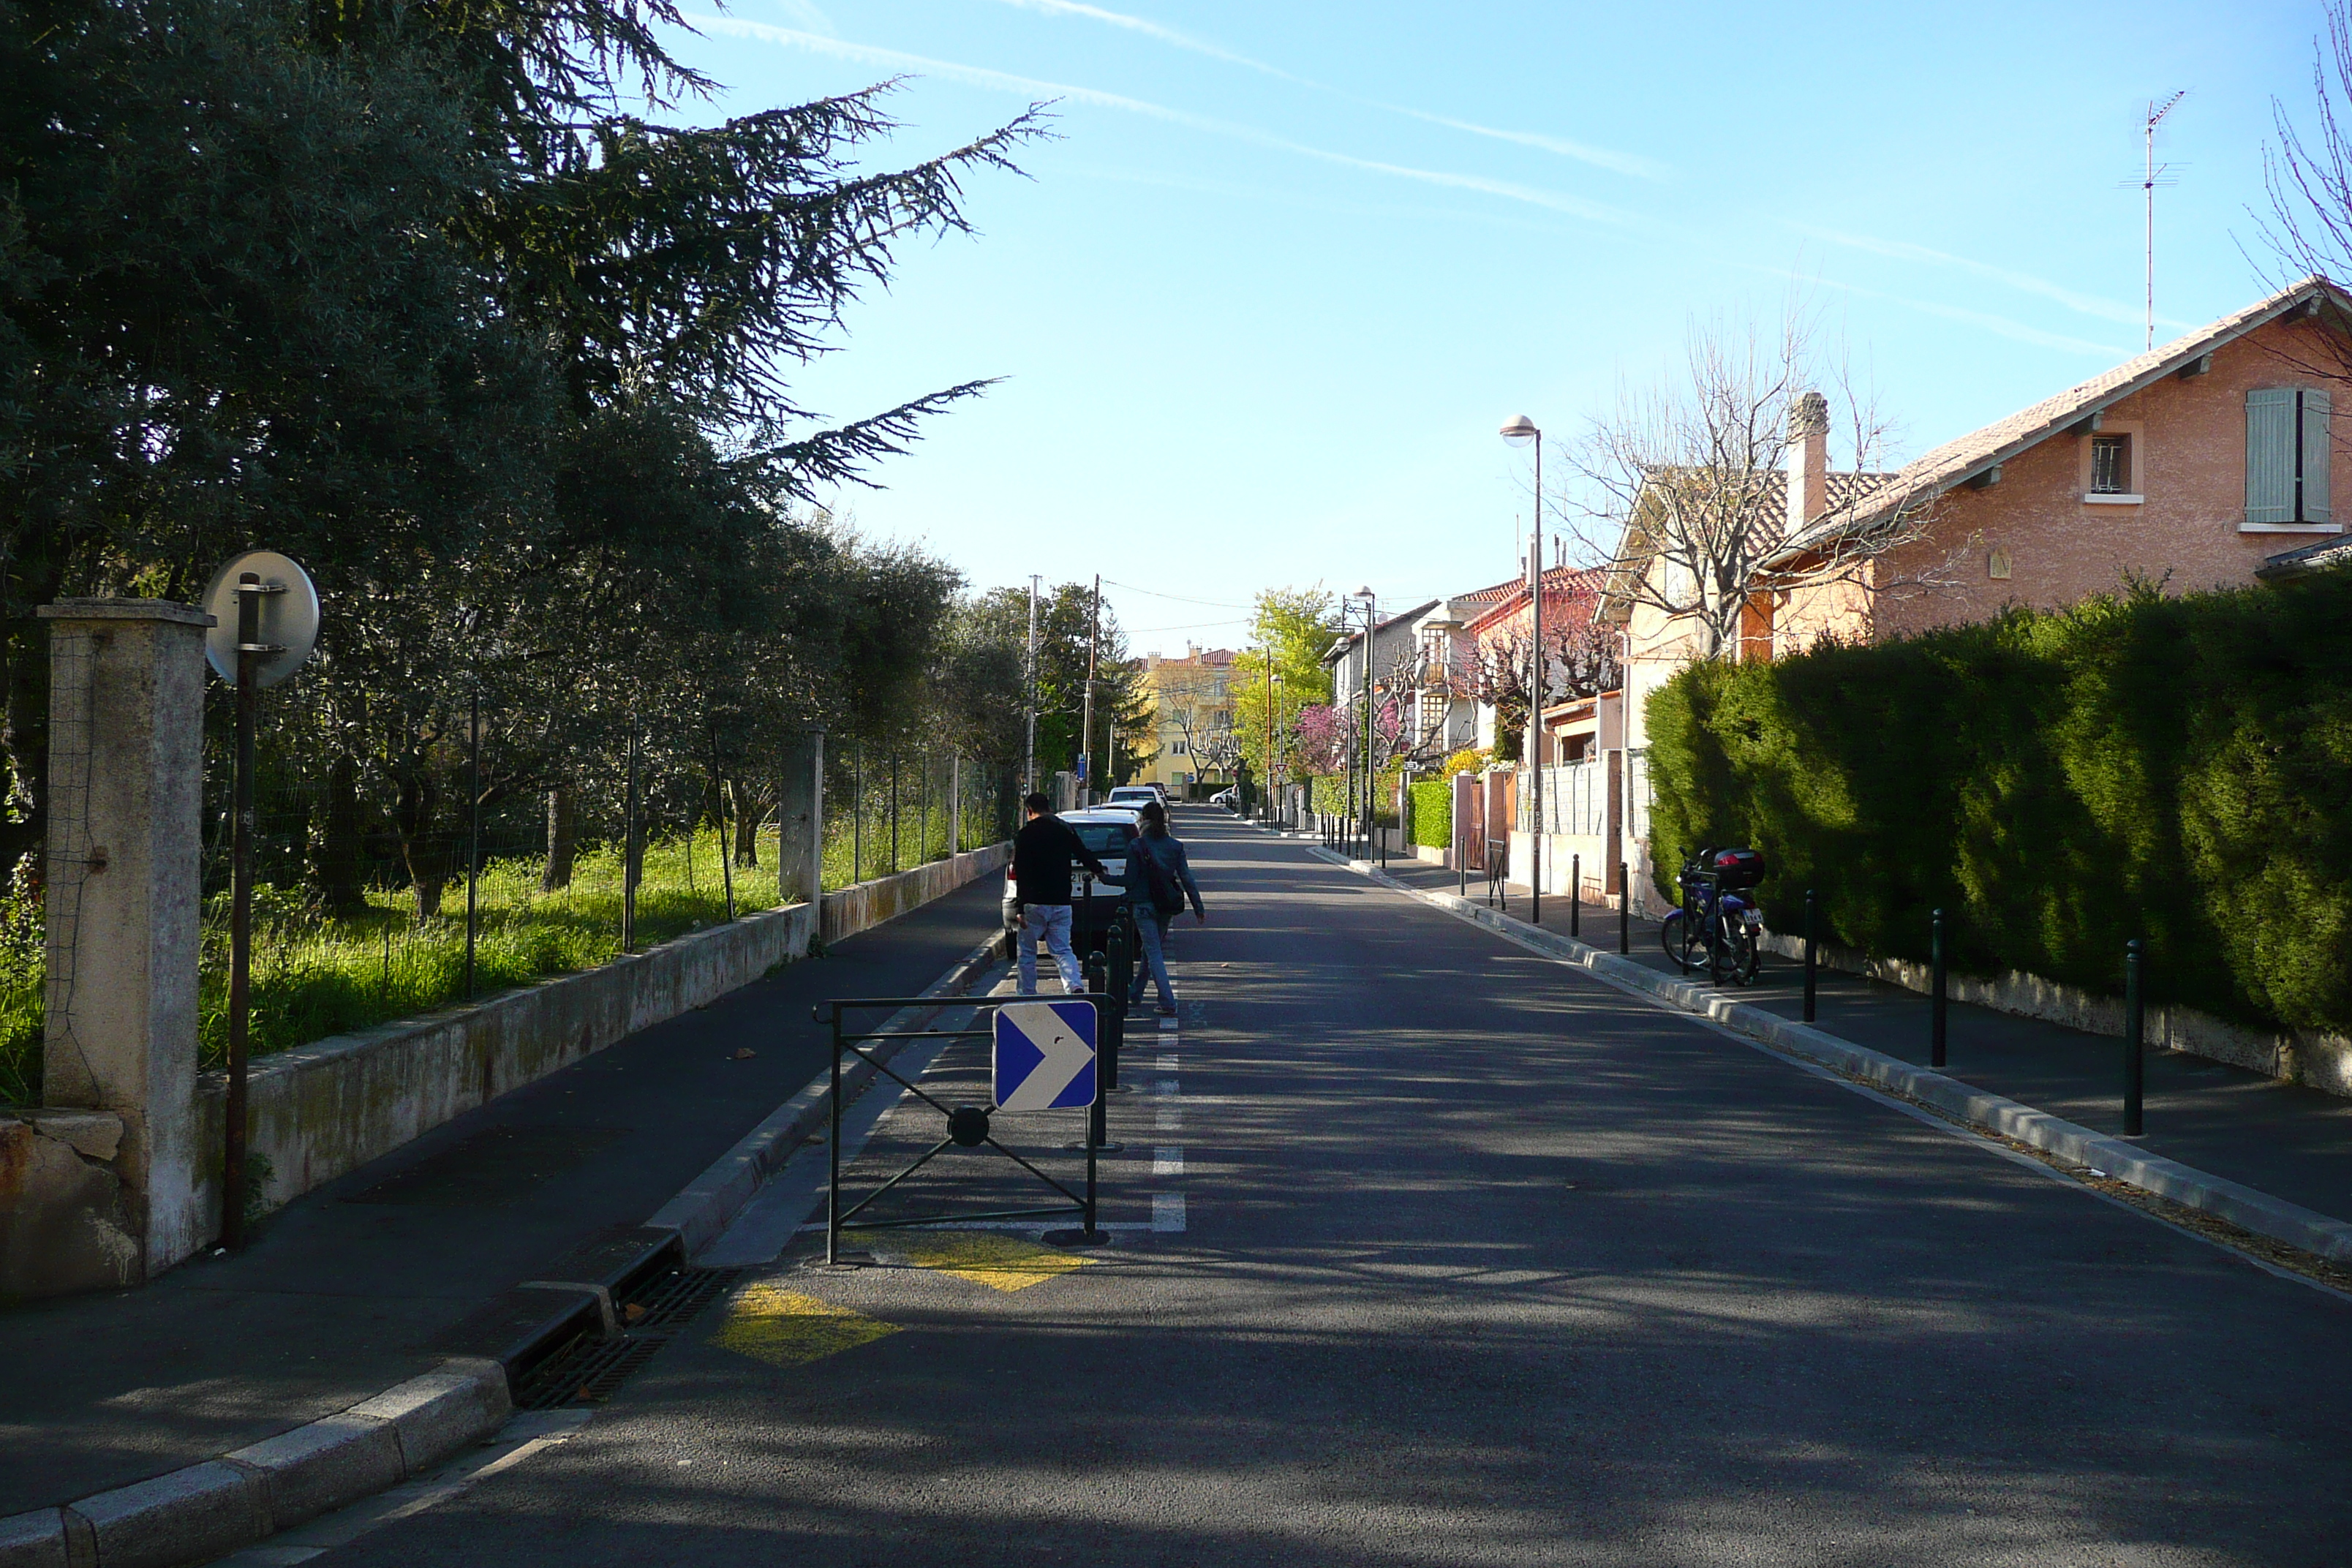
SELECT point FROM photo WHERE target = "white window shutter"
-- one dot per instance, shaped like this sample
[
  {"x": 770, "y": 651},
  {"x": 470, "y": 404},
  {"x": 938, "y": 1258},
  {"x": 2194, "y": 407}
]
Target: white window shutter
[
  {"x": 2316, "y": 452},
  {"x": 2270, "y": 454}
]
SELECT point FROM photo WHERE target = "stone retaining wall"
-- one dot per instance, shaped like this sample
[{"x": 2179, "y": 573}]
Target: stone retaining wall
[{"x": 329, "y": 1107}]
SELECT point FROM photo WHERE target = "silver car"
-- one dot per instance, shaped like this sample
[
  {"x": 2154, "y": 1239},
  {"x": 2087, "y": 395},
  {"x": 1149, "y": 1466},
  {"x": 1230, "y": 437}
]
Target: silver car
[{"x": 1106, "y": 830}]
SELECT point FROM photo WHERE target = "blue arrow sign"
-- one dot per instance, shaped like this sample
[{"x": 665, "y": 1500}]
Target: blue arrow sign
[{"x": 1044, "y": 1055}]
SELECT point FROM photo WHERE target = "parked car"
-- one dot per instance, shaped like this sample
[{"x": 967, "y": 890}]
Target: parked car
[
  {"x": 1107, "y": 830},
  {"x": 1229, "y": 797}
]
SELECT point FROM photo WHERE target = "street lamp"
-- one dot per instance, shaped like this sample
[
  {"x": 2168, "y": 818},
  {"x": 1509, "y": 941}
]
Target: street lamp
[
  {"x": 1273, "y": 734},
  {"x": 1520, "y": 431},
  {"x": 1366, "y": 821}
]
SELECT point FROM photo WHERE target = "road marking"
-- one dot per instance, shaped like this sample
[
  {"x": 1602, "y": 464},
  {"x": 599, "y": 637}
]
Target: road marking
[
  {"x": 1167, "y": 1061},
  {"x": 1167, "y": 1211},
  {"x": 1165, "y": 1086},
  {"x": 998, "y": 1262},
  {"x": 1167, "y": 1162},
  {"x": 1170, "y": 1119},
  {"x": 785, "y": 1328}
]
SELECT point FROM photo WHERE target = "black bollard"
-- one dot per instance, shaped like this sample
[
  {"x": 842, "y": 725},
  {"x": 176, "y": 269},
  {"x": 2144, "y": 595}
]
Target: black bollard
[
  {"x": 1715, "y": 928},
  {"x": 2135, "y": 1039},
  {"x": 1808, "y": 955},
  {"x": 1625, "y": 910},
  {"x": 1575, "y": 892},
  {"x": 1118, "y": 974},
  {"x": 1936, "y": 1000}
]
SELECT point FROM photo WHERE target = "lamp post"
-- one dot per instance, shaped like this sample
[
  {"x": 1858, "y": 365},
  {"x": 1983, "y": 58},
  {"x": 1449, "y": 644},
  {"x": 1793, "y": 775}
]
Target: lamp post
[
  {"x": 1273, "y": 740},
  {"x": 1520, "y": 431},
  {"x": 1366, "y": 822}
]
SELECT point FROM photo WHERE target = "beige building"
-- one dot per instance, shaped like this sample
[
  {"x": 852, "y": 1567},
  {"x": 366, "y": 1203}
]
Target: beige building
[{"x": 1191, "y": 717}]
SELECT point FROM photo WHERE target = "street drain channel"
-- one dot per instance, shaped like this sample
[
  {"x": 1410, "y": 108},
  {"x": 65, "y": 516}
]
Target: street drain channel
[{"x": 591, "y": 1370}]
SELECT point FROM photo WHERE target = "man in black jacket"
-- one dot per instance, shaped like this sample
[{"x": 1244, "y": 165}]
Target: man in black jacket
[{"x": 1042, "y": 853}]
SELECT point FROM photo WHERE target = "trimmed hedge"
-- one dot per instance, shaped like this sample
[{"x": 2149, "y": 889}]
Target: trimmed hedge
[
  {"x": 2174, "y": 769},
  {"x": 1433, "y": 812}
]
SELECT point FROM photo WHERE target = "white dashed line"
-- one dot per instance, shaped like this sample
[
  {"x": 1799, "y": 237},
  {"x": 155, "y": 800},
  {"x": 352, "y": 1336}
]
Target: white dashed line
[
  {"x": 1167, "y": 1211},
  {"x": 1167, "y": 1061},
  {"x": 1168, "y": 1161},
  {"x": 1172, "y": 1119}
]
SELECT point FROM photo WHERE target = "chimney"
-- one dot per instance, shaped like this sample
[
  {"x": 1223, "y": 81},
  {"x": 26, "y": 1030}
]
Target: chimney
[{"x": 1809, "y": 459}]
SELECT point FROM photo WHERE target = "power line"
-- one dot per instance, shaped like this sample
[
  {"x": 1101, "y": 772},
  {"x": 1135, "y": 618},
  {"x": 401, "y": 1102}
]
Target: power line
[{"x": 1154, "y": 592}]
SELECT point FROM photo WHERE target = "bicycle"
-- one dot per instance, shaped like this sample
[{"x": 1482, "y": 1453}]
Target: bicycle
[{"x": 1730, "y": 923}]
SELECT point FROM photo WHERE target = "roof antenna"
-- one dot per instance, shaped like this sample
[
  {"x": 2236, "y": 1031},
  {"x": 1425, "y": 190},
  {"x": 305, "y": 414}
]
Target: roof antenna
[{"x": 2152, "y": 177}]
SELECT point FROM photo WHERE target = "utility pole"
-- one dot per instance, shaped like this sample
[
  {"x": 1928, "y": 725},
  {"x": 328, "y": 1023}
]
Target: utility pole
[
  {"x": 1535, "y": 702},
  {"x": 1087, "y": 723},
  {"x": 1371, "y": 772},
  {"x": 1029, "y": 777},
  {"x": 1265, "y": 758}
]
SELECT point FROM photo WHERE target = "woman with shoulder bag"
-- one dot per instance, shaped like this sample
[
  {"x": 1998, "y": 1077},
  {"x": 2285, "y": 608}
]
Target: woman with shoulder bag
[{"x": 1158, "y": 881}]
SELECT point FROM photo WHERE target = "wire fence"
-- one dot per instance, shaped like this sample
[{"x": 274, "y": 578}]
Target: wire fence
[{"x": 386, "y": 888}]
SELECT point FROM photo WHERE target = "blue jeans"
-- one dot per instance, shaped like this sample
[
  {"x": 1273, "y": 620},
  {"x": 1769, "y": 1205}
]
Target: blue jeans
[
  {"x": 1151, "y": 936},
  {"x": 1051, "y": 921}
]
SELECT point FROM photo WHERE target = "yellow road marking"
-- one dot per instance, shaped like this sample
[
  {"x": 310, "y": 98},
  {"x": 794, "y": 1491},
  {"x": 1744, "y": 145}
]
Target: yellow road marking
[
  {"x": 785, "y": 1328},
  {"x": 998, "y": 1262}
]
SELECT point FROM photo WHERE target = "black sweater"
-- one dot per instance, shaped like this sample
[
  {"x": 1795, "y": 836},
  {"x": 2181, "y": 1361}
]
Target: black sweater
[{"x": 1042, "y": 853}]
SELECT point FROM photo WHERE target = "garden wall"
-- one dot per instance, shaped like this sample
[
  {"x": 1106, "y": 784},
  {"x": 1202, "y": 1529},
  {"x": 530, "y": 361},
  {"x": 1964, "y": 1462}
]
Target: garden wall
[
  {"x": 2174, "y": 769},
  {"x": 322, "y": 1109}
]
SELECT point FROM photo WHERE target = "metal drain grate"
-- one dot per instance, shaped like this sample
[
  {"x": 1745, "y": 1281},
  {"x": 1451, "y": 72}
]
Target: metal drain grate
[{"x": 654, "y": 1312}]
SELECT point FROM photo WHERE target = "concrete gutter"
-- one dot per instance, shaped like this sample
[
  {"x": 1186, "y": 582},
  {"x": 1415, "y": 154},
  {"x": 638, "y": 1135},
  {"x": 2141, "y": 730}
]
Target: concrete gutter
[
  {"x": 202, "y": 1511},
  {"x": 2113, "y": 1157}
]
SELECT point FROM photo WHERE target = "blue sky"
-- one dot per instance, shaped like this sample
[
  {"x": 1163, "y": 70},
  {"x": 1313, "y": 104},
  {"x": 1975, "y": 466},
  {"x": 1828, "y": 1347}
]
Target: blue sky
[{"x": 1262, "y": 306}]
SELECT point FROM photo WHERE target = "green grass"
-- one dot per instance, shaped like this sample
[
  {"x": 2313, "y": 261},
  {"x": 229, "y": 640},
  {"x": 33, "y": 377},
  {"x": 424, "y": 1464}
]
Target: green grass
[{"x": 315, "y": 976}]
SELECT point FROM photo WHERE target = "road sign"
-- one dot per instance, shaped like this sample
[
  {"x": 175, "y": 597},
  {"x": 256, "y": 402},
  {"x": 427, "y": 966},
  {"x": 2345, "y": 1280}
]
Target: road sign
[
  {"x": 1044, "y": 1057},
  {"x": 288, "y": 621}
]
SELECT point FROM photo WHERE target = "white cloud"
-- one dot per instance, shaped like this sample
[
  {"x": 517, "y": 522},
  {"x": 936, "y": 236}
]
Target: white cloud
[
  {"x": 807, "y": 14},
  {"x": 1152, "y": 30},
  {"x": 2025, "y": 282},
  {"x": 1600, "y": 157},
  {"x": 1032, "y": 88}
]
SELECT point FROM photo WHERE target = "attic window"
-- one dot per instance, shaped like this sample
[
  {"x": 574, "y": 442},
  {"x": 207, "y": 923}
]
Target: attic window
[
  {"x": 2110, "y": 465},
  {"x": 2288, "y": 446}
]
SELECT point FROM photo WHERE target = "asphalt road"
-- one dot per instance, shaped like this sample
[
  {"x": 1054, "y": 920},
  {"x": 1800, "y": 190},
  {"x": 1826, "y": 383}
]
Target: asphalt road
[{"x": 1483, "y": 1262}]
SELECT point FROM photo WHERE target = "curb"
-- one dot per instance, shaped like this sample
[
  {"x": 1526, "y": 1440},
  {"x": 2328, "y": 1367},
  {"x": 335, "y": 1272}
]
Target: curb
[
  {"x": 201, "y": 1511},
  {"x": 207, "y": 1510},
  {"x": 2240, "y": 1204}
]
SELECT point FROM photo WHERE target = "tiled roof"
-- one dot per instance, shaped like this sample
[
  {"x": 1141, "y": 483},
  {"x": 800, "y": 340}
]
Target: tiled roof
[
  {"x": 1574, "y": 583},
  {"x": 1957, "y": 461},
  {"x": 2327, "y": 552}
]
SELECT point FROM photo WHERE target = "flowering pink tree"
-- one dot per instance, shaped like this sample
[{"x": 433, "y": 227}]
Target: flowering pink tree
[{"x": 1324, "y": 736}]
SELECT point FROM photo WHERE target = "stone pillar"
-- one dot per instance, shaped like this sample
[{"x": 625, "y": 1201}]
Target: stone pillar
[
  {"x": 800, "y": 822},
  {"x": 126, "y": 776}
]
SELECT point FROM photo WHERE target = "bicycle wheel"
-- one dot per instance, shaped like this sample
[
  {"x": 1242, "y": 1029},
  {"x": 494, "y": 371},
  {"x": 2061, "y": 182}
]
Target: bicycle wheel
[
  {"x": 1682, "y": 942},
  {"x": 1744, "y": 956}
]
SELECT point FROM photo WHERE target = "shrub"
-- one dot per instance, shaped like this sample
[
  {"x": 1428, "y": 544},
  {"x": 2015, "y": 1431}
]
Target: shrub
[
  {"x": 2174, "y": 769},
  {"x": 1432, "y": 811}
]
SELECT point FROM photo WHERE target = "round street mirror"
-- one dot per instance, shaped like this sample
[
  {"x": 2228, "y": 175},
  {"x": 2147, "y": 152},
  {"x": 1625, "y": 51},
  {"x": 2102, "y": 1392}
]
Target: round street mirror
[{"x": 288, "y": 619}]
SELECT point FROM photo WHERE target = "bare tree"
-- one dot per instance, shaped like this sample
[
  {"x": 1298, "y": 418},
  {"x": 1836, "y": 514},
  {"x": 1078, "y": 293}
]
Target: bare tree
[
  {"x": 1579, "y": 660},
  {"x": 2309, "y": 180},
  {"x": 1682, "y": 491},
  {"x": 1189, "y": 699}
]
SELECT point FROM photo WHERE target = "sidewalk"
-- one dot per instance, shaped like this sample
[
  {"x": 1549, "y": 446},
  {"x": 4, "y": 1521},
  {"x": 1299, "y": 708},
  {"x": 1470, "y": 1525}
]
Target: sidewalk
[
  {"x": 2281, "y": 1138},
  {"x": 348, "y": 1290}
]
